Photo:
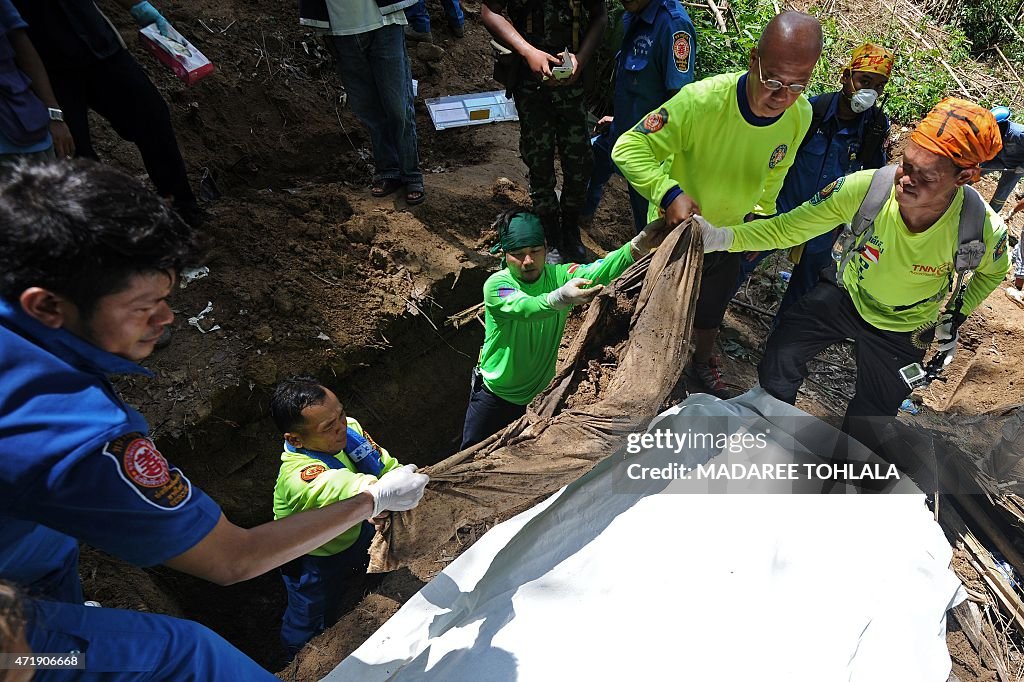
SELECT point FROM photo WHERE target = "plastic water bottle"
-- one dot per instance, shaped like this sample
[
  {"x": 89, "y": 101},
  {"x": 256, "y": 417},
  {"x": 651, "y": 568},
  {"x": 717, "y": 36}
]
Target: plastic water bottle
[{"x": 363, "y": 454}]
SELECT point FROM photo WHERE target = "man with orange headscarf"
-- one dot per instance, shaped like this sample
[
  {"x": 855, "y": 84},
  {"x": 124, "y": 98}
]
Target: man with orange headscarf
[
  {"x": 889, "y": 299},
  {"x": 846, "y": 135}
]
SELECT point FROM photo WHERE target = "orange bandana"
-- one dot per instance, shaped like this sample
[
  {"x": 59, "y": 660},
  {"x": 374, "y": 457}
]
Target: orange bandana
[
  {"x": 960, "y": 130},
  {"x": 872, "y": 58}
]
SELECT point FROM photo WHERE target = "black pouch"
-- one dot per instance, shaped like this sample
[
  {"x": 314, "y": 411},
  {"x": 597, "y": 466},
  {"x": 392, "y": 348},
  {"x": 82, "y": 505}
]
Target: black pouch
[{"x": 508, "y": 67}]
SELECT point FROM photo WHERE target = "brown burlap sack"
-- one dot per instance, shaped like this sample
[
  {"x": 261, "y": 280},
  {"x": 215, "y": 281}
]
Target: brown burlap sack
[{"x": 551, "y": 446}]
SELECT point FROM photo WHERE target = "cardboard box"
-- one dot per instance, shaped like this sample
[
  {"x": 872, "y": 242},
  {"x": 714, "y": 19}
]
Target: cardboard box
[{"x": 181, "y": 56}]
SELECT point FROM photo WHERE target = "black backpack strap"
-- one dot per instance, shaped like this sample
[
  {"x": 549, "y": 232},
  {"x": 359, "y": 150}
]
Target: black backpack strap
[
  {"x": 819, "y": 108},
  {"x": 875, "y": 133}
]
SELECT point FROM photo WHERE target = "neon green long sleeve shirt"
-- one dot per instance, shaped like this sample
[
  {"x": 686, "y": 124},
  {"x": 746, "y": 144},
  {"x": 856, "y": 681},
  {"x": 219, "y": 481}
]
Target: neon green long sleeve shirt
[
  {"x": 522, "y": 331},
  {"x": 897, "y": 267},
  {"x": 701, "y": 141},
  {"x": 303, "y": 482}
]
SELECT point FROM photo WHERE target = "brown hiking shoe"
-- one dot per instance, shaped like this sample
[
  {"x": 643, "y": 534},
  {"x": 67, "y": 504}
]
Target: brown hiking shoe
[{"x": 709, "y": 377}]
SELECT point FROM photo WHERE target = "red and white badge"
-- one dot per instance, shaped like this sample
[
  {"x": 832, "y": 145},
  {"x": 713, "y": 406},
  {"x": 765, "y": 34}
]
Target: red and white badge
[
  {"x": 681, "y": 50},
  {"x": 145, "y": 465},
  {"x": 145, "y": 471}
]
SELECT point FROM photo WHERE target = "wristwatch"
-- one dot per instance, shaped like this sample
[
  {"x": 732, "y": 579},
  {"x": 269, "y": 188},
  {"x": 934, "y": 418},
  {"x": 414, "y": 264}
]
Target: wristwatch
[{"x": 56, "y": 114}]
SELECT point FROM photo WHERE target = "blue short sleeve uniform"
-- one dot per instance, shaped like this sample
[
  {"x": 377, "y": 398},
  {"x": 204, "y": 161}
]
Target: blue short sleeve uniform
[
  {"x": 659, "y": 48},
  {"x": 833, "y": 152},
  {"x": 656, "y": 59},
  {"x": 78, "y": 466}
]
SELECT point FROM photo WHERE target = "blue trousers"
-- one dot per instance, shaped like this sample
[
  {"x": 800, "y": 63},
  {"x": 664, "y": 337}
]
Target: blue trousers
[
  {"x": 603, "y": 169},
  {"x": 378, "y": 79},
  {"x": 420, "y": 20},
  {"x": 1008, "y": 179},
  {"x": 128, "y": 645},
  {"x": 816, "y": 257},
  {"x": 316, "y": 586}
]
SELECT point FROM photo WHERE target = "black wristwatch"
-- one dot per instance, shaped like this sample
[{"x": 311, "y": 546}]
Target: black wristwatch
[{"x": 56, "y": 114}]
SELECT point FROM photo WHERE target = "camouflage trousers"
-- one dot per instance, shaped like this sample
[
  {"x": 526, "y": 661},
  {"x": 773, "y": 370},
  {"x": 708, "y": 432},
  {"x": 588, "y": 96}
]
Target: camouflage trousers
[{"x": 554, "y": 119}]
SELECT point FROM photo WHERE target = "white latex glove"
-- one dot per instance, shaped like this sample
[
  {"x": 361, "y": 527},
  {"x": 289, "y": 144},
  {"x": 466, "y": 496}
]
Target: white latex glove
[
  {"x": 398, "y": 490},
  {"x": 572, "y": 293},
  {"x": 715, "y": 238},
  {"x": 649, "y": 238},
  {"x": 946, "y": 339}
]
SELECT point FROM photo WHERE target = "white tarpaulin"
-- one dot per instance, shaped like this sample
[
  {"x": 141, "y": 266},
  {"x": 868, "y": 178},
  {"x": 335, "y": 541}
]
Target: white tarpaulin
[{"x": 600, "y": 584}]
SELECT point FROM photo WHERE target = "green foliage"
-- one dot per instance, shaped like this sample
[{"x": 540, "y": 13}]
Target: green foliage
[
  {"x": 980, "y": 22},
  {"x": 719, "y": 52}
]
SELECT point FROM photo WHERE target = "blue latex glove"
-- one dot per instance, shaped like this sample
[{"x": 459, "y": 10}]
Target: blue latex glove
[{"x": 145, "y": 14}]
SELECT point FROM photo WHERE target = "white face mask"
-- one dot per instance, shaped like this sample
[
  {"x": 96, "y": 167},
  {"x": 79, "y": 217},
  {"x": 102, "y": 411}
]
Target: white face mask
[{"x": 862, "y": 100}]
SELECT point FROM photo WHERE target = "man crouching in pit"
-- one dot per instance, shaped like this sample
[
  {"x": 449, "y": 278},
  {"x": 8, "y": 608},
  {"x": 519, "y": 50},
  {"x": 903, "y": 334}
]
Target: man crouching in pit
[
  {"x": 327, "y": 458},
  {"x": 526, "y": 304}
]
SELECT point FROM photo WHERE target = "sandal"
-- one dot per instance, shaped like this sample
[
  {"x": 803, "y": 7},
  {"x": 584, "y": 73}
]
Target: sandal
[
  {"x": 414, "y": 194},
  {"x": 384, "y": 186}
]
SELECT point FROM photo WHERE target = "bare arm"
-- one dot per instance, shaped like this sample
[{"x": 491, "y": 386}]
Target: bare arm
[
  {"x": 231, "y": 554},
  {"x": 27, "y": 59},
  {"x": 504, "y": 32}
]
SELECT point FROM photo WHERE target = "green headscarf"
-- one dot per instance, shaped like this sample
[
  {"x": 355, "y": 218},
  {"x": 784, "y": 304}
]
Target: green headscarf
[{"x": 523, "y": 230}]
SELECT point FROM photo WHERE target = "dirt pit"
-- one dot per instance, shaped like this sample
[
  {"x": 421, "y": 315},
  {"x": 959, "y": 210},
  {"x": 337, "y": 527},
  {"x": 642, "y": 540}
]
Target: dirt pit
[{"x": 310, "y": 275}]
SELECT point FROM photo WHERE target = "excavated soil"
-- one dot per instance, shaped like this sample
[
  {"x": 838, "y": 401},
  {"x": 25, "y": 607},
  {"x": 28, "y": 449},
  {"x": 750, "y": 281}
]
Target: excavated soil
[{"x": 309, "y": 274}]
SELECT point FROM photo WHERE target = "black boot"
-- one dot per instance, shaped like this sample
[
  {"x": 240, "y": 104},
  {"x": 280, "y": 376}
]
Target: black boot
[
  {"x": 552, "y": 238},
  {"x": 572, "y": 246}
]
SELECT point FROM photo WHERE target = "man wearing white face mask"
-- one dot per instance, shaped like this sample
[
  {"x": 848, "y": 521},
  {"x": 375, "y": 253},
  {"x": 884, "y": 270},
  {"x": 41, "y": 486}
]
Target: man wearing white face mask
[{"x": 846, "y": 135}]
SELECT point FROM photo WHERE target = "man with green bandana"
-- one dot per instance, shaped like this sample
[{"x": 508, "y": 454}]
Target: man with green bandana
[{"x": 526, "y": 304}]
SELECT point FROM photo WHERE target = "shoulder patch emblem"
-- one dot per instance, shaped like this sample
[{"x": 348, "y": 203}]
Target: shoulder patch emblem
[
  {"x": 681, "y": 50},
  {"x": 311, "y": 472},
  {"x": 778, "y": 155},
  {"x": 505, "y": 292},
  {"x": 1000, "y": 247},
  {"x": 653, "y": 122},
  {"x": 827, "y": 191},
  {"x": 141, "y": 466}
]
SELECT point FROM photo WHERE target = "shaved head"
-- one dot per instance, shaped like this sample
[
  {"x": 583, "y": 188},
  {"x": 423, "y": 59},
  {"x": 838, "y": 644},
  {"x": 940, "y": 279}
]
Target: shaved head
[{"x": 793, "y": 33}]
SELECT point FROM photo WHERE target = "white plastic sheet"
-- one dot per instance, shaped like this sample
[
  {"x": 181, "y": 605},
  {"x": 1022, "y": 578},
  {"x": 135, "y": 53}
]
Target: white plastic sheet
[{"x": 595, "y": 584}]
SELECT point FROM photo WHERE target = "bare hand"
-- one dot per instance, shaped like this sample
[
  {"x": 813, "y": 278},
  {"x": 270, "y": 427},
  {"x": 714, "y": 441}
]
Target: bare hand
[
  {"x": 603, "y": 124},
  {"x": 540, "y": 63},
  {"x": 681, "y": 208},
  {"x": 63, "y": 143},
  {"x": 1018, "y": 207}
]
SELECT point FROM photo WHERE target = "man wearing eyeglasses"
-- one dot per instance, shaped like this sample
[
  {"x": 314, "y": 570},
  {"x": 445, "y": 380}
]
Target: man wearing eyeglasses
[{"x": 726, "y": 143}]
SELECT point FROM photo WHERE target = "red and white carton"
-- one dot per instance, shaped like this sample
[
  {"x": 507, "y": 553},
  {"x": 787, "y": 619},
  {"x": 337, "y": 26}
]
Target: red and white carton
[{"x": 177, "y": 53}]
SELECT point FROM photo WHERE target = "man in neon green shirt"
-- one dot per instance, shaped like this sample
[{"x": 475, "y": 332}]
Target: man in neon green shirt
[
  {"x": 526, "y": 305},
  {"x": 327, "y": 458},
  {"x": 897, "y": 283},
  {"x": 721, "y": 148}
]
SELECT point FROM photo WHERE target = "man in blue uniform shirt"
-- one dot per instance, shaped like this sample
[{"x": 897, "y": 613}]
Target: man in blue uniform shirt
[
  {"x": 846, "y": 135},
  {"x": 1009, "y": 162},
  {"x": 88, "y": 258},
  {"x": 659, "y": 48}
]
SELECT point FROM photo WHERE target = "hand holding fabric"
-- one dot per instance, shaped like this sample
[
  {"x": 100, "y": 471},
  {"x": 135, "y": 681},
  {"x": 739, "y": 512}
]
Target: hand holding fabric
[
  {"x": 398, "y": 490},
  {"x": 714, "y": 238},
  {"x": 573, "y": 293}
]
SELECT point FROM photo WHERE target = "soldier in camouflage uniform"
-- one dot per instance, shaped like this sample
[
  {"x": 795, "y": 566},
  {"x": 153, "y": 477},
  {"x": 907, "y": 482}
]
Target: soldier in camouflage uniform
[{"x": 551, "y": 111}]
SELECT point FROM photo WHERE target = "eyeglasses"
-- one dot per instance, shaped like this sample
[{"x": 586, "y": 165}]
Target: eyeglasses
[{"x": 773, "y": 85}]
